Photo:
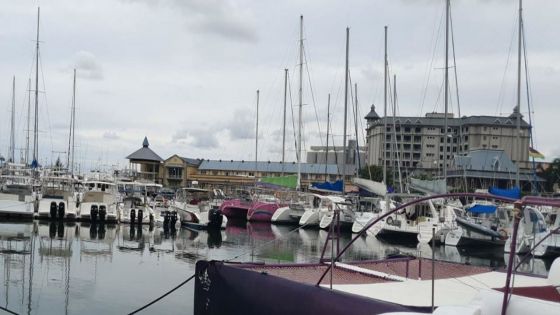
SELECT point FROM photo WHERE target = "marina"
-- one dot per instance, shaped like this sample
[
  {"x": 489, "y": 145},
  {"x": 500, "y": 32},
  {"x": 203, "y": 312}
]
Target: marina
[{"x": 383, "y": 211}]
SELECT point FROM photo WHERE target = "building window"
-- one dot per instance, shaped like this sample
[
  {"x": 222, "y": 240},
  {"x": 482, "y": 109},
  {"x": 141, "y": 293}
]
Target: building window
[
  {"x": 494, "y": 146},
  {"x": 175, "y": 172}
]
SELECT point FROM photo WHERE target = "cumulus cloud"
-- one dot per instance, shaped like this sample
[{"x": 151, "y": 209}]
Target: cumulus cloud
[
  {"x": 87, "y": 66},
  {"x": 217, "y": 17}
]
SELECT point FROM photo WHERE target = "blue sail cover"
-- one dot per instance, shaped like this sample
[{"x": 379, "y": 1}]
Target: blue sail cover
[
  {"x": 513, "y": 193},
  {"x": 482, "y": 209},
  {"x": 336, "y": 186}
]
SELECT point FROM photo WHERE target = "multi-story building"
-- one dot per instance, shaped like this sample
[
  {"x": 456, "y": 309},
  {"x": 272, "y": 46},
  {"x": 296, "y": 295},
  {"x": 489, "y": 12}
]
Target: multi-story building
[{"x": 419, "y": 143}]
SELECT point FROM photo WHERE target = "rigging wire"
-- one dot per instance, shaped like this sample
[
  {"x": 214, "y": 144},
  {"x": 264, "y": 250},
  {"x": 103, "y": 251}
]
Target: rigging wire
[
  {"x": 501, "y": 93},
  {"x": 312, "y": 95},
  {"x": 430, "y": 66}
]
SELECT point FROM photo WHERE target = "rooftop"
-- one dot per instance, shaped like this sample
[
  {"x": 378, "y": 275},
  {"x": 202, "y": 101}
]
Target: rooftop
[
  {"x": 145, "y": 153},
  {"x": 270, "y": 167}
]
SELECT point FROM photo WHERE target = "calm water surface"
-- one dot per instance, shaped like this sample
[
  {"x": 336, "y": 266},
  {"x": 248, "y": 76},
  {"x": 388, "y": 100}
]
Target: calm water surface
[{"x": 50, "y": 268}]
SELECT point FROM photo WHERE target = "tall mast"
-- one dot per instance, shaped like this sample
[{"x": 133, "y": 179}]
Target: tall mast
[
  {"x": 28, "y": 122},
  {"x": 300, "y": 96},
  {"x": 257, "y": 140},
  {"x": 70, "y": 161},
  {"x": 284, "y": 126},
  {"x": 397, "y": 150},
  {"x": 36, "y": 116},
  {"x": 517, "y": 110},
  {"x": 357, "y": 157},
  {"x": 11, "y": 153},
  {"x": 383, "y": 148},
  {"x": 344, "y": 157},
  {"x": 446, "y": 94},
  {"x": 328, "y": 129},
  {"x": 386, "y": 64}
]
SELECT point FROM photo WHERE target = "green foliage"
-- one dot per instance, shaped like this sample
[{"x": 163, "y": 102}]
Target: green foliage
[{"x": 551, "y": 174}]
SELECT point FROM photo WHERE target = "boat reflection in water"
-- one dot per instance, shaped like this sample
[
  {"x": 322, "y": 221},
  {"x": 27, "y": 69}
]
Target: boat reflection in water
[{"x": 65, "y": 268}]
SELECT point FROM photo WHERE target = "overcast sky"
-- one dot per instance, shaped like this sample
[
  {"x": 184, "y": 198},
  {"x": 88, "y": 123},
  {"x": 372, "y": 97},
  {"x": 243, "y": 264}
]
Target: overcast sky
[{"x": 184, "y": 73}]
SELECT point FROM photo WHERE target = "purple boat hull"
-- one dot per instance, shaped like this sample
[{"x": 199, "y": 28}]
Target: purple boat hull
[
  {"x": 262, "y": 211},
  {"x": 235, "y": 209}
]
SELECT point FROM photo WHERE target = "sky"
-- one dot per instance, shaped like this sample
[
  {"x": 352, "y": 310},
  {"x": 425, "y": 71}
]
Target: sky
[{"x": 184, "y": 73}]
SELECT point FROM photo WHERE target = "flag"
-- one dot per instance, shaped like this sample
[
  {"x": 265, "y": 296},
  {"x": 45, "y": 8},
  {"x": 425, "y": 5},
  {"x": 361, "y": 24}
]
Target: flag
[{"x": 535, "y": 154}]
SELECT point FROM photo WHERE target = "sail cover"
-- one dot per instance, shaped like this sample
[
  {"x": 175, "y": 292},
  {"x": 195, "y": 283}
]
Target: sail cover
[
  {"x": 514, "y": 193},
  {"x": 328, "y": 186},
  {"x": 482, "y": 209},
  {"x": 289, "y": 181},
  {"x": 376, "y": 188},
  {"x": 437, "y": 186}
]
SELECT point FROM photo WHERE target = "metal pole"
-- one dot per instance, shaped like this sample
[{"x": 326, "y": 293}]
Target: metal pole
[
  {"x": 73, "y": 123},
  {"x": 11, "y": 156},
  {"x": 36, "y": 121},
  {"x": 300, "y": 94},
  {"x": 433, "y": 264},
  {"x": 344, "y": 157},
  {"x": 257, "y": 140},
  {"x": 328, "y": 129},
  {"x": 384, "y": 142},
  {"x": 28, "y": 122},
  {"x": 446, "y": 93},
  {"x": 357, "y": 157},
  {"x": 512, "y": 252},
  {"x": 517, "y": 110},
  {"x": 284, "y": 126}
]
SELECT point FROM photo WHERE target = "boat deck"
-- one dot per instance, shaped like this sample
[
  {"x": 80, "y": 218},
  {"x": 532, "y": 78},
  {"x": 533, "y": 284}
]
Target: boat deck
[{"x": 370, "y": 271}]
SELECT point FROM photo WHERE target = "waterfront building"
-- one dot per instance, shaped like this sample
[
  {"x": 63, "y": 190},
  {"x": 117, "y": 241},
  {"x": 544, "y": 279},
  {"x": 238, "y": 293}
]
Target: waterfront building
[
  {"x": 145, "y": 163},
  {"x": 178, "y": 171},
  {"x": 230, "y": 173},
  {"x": 418, "y": 143},
  {"x": 480, "y": 169}
]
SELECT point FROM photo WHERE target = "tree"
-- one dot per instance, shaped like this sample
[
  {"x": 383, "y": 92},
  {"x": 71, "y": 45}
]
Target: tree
[{"x": 552, "y": 174}]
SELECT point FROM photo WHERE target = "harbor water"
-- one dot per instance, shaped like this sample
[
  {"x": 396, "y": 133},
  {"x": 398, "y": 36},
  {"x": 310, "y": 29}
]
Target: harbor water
[{"x": 76, "y": 268}]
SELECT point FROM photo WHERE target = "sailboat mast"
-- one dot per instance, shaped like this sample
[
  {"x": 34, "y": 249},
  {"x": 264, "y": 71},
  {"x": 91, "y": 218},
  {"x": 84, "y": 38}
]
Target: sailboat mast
[
  {"x": 517, "y": 110},
  {"x": 328, "y": 129},
  {"x": 383, "y": 148},
  {"x": 344, "y": 157},
  {"x": 300, "y": 96},
  {"x": 284, "y": 126},
  {"x": 257, "y": 140},
  {"x": 36, "y": 116},
  {"x": 11, "y": 153},
  {"x": 446, "y": 95},
  {"x": 73, "y": 124},
  {"x": 28, "y": 122},
  {"x": 357, "y": 157},
  {"x": 397, "y": 150}
]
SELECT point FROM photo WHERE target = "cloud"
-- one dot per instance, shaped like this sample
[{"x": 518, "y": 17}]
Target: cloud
[
  {"x": 241, "y": 126},
  {"x": 111, "y": 135},
  {"x": 87, "y": 66},
  {"x": 198, "y": 138},
  {"x": 217, "y": 17}
]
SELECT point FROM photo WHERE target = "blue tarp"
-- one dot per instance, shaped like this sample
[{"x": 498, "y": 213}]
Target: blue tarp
[
  {"x": 482, "y": 209},
  {"x": 514, "y": 193},
  {"x": 336, "y": 186}
]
